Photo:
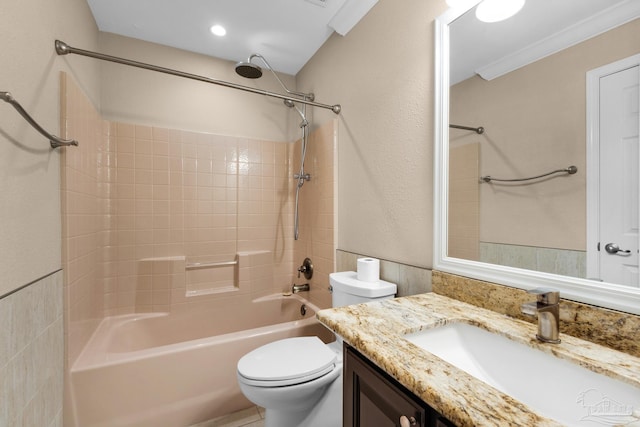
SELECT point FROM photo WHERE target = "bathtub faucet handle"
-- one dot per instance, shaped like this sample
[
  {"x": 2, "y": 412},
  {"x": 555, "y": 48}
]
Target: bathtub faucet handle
[{"x": 306, "y": 268}]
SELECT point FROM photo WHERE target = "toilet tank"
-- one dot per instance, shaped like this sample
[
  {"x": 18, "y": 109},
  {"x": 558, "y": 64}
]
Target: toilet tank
[{"x": 346, "y": 289}]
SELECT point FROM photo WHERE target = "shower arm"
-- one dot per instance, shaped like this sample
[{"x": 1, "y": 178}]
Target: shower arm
[
  {"x": 306, "y": 96},
  {"x": 63, "y": 49}
]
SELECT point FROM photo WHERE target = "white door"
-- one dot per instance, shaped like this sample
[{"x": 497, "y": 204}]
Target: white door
[{"x": 619, "y": 159}]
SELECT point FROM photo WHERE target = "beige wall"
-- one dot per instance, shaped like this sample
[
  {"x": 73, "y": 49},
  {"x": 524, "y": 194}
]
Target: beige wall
[
  {"x": 382, "y": 74},
  {"x": 464, "y": 202},
  {"x": 29, "y": 181},
  {"x": 133, "y": 95},
  {"x": 534, "y": 120}
]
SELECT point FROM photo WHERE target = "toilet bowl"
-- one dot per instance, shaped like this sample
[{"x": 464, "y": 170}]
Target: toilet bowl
[
  {"x": 299, "y": 380},
  {"x": 297, "y": 389}
]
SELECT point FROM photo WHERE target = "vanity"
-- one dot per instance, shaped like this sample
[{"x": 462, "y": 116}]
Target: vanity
[{"x": 388, "y": 377}]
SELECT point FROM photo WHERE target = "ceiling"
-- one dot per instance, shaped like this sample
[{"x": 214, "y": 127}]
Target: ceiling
[
  {"x": 541, "y": 28},
  {"x": 286, "y": 32}
]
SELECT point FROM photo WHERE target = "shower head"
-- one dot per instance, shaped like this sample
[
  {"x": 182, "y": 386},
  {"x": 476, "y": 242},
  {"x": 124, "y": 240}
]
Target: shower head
[{"x": 248, "y": 70}]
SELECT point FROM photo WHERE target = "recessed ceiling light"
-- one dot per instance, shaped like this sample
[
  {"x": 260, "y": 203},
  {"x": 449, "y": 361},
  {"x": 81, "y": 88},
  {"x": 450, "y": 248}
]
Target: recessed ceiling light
[
  {"x": 498, "y": 10},
  {"x": 218, "y": 30}
]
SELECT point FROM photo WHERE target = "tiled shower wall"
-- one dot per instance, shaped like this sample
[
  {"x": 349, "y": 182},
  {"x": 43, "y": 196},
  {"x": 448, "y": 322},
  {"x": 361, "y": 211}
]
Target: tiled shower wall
[
  {"x": 203, "y": 197},
  {"x": 142, "y": 203},
  {"x": 86, "y": 183}
]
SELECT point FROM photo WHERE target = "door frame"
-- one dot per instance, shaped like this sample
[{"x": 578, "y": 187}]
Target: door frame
[{"x": 593, "y": 163}]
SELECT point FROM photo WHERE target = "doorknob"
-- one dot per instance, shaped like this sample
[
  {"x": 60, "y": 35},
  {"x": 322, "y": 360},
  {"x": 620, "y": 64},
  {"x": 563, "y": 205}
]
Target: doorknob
[{"x": 613, "y": 249}]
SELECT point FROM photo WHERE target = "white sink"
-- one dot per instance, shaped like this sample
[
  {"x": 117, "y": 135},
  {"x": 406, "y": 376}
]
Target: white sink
[{"x": 551, "y": 386}]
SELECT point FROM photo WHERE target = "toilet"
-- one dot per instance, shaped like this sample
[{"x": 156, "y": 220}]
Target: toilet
[{"x": 299, "y": 380}]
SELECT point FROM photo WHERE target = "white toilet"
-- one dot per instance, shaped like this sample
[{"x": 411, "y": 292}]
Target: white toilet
[{"x": 299, "y": 380}]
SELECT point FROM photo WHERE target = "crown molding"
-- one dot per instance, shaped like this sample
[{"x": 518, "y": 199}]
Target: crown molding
[{"x": 595, "y": 25}]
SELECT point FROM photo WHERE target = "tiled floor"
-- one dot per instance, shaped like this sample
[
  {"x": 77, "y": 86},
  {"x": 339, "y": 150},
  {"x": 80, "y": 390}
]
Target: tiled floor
[{"x": 252, "y": 417}]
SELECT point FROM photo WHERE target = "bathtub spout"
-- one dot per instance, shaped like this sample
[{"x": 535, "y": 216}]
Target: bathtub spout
[{"x": 299, "y": 288}]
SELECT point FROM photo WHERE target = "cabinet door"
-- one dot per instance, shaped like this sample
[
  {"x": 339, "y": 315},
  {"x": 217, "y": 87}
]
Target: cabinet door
[{"x": 371, "y": 399}]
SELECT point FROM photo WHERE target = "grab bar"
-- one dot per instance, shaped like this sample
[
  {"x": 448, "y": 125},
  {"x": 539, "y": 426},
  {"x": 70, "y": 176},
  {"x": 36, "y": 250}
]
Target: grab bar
[
  {"x": 479, "y": 130},
  {"x": 53, "y": 140},
  {"x": 198, "y": 265},
  {"x": 570, "y": 170}
]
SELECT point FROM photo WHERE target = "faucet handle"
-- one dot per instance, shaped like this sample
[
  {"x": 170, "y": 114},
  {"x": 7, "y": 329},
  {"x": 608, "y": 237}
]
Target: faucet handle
[
  {"x": 546, "y": 295},
  {"x": 306, "y": 268}
]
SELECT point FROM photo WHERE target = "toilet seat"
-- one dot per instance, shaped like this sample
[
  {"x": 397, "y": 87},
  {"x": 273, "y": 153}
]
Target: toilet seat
[{"x": 286, "y": 362}]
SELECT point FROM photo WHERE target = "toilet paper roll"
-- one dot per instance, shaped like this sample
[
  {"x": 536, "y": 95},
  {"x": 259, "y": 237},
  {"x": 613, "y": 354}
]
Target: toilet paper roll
[{"x": 368, "y": 269}]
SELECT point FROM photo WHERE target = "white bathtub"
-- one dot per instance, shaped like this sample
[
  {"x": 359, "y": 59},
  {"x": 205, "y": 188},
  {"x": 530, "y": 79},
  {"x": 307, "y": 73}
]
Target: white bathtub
[{"x": 175, "y": 370}]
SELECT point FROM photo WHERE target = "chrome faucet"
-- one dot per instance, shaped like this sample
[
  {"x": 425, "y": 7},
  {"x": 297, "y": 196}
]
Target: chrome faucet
[
  {"x": 299, "y": 288},
  {"x": 547, "y": 308}
]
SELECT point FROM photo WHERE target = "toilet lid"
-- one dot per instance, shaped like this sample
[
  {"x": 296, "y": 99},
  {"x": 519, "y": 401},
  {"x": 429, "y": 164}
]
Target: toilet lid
[{"x": 287, "y": 361}]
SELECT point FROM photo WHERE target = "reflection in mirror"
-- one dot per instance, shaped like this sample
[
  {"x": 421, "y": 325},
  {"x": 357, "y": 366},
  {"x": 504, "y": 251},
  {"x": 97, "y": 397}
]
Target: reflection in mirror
[
  {"x": 533, "y": 82},
  {"x": 534, "y": 120}
]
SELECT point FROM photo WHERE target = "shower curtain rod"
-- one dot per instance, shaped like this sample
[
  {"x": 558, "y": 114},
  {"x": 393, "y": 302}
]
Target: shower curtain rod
[{"x": 63, "y": 49}]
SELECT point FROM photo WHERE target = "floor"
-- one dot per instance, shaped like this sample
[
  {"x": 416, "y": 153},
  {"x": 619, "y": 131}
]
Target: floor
[{"x": 252, "y": 417}]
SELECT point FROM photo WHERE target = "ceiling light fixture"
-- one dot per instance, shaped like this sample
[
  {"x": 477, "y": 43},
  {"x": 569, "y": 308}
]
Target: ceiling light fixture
[
  {"x": 498, "y": 10},
  {"x": 218, "y": 30}
]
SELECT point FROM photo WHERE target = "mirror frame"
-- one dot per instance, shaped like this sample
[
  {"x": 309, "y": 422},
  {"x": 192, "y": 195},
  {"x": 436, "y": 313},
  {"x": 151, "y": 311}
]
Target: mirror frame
[{"x": 602, "y": 294}]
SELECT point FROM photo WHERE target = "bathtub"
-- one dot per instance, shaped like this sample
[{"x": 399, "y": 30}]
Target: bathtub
[{"x": 173, "y": 370}]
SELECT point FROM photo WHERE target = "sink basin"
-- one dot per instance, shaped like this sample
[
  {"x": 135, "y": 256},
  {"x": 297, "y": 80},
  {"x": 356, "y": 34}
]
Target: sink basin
[{"x": 553, "y": 387}]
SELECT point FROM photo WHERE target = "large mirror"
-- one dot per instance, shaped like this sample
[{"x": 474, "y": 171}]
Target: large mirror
[{"x": 554, "y": 90}]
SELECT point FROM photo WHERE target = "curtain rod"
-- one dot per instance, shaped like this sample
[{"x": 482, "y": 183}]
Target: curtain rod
[{"x": 63, "y": 49}]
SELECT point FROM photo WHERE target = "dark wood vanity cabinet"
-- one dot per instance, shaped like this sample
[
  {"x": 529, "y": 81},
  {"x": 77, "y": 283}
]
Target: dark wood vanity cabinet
[{"x": 373, "y": 399}]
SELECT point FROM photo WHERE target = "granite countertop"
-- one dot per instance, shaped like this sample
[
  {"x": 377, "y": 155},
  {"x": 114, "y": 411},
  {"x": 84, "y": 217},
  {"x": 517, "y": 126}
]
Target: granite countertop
[{"x": 375, "y": 330}]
